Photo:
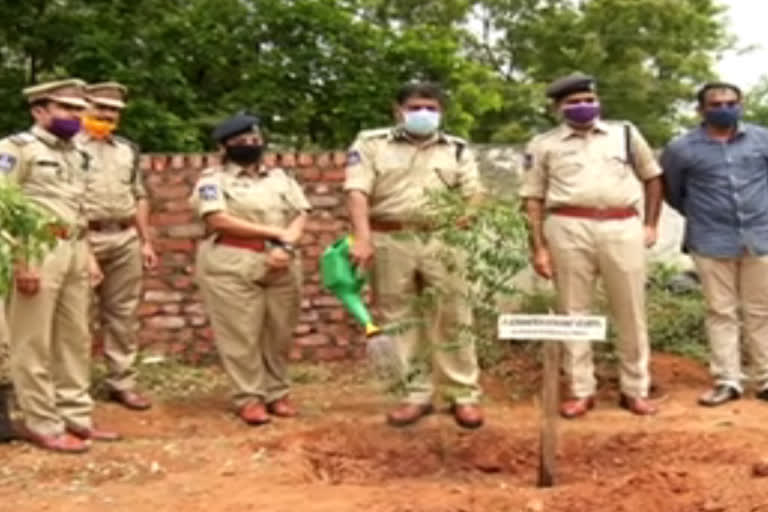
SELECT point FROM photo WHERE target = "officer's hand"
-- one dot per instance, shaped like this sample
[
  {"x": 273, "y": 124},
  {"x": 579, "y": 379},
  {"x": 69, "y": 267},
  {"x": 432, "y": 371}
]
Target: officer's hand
[
  {"x": 94, "y": 271},
  {"x": 542, "y": 262},
  {"x": 651, "y": 235},
  {"x": 27, "y": 279},
  {"x": 361, "y": 253},
  {"x": 149, "y": 256},
  {"x": 291, "y": 235},
  {"x": 278, "y": 258}
]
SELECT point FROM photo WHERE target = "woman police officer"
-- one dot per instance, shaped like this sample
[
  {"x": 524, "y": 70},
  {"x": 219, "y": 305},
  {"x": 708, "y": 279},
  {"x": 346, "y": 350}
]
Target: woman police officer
[{"x": 247, "y": 269}]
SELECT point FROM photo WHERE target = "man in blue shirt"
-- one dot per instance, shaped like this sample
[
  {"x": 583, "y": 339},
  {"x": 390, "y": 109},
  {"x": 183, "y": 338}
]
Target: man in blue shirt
[{"x": 716, "y": 176}]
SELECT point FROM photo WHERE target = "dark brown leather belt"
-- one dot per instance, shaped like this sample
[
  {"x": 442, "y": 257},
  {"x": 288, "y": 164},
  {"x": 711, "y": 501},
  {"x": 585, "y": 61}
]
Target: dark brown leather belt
[
  {"x": 253, "y": 244},
  {"x": 111, "y": 226},
  {"x": 596, "y": 213},
  {"x": 387, "y": 226}
]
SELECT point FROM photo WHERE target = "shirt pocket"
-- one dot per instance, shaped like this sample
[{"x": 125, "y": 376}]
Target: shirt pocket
[{"x": 47, "y": 170}]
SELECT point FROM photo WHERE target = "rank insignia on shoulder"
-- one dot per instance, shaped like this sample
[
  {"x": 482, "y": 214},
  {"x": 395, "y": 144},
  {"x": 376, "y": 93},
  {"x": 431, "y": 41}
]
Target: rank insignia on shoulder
[
  {"x": 208, "y": 192},
  {"x": 7, "y": 162},
  {"x": 353, "y": 157},
  {"x": 528, "y": 161}
]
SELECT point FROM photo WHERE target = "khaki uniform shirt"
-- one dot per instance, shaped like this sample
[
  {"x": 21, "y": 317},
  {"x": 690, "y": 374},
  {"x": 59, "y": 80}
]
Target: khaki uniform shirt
[
  {"x": 565, "y": 168},
  {"x": 115, "y": 182},
  {"x": 397, "y": 175},
  {"x": 50, "y": 172},
  {"x": 272, "y": 198}
]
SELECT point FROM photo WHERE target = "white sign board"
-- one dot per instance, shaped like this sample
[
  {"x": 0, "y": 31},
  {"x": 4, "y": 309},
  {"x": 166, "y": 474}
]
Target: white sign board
[{"x": 552, "y": 327}]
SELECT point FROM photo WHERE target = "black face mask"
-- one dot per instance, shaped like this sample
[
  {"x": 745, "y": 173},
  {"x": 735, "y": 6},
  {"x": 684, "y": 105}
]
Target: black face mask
[{"x": 246, "y": 154}]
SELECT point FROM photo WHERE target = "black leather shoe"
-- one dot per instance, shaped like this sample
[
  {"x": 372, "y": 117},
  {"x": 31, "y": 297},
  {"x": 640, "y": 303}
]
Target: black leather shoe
[
  {"x": 719, "y": 395},
  {"x": 762, "y": 395}
]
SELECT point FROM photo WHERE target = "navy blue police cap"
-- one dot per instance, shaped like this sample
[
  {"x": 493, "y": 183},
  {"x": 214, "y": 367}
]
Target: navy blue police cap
[
  {"x": 241, "y": 122},
  {"x": 576, "y": 82}
]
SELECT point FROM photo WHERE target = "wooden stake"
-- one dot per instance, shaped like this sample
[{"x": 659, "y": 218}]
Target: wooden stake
[{"x": 549, "y": 404}]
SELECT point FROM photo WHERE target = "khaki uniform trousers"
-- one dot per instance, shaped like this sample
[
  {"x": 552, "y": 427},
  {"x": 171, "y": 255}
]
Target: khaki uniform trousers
[
  {"x": 253, "y": 312},
  {"x": 429, "y": 344},
  {"x": 119, "y": 255},
  {"x": 51, "y": 343},
  {"x": 731, "y": 284},
  {"x": 582, "y": 250}
]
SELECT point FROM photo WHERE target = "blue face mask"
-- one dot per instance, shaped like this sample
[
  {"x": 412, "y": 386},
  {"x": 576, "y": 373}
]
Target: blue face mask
[
  {"x": 724, "y": 117},
  {"x": 421, "y": 122}
]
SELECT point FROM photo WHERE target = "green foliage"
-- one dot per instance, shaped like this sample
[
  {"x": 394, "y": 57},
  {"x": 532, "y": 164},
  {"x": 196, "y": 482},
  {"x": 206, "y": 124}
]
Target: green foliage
[
  {"x": 320, "y": 70},
  {"x": 675, "y": 320},
  {"x": 756, "y": 103},
  {"x": 25, "y": 233}
]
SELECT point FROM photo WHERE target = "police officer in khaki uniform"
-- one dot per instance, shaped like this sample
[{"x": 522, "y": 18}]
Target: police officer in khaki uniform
[
  {"x": 248, "y": 268},
  {"x": 47, "y": 310},
  {"x": 389, "y": 172},
  {"x": 6, "y": 428},
  {"x": 586, "y": 185},
  {"x": 118, "y": 231}
]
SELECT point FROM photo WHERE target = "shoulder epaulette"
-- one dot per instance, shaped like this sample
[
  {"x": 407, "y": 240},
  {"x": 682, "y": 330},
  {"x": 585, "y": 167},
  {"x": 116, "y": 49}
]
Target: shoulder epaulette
[
  {"x": 375, "y": 133},
  {"x": 128, "y": 142},
  {"x": 22, "y": 138}
]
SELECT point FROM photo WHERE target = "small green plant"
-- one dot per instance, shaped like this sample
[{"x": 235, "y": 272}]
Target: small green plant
[{"x": 25, "y": 232}]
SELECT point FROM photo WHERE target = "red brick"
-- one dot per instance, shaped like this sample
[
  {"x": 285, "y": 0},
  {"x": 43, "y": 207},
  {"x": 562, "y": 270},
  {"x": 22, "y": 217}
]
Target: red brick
[
  {"x": 145, "y": 162},
  {"x": 172, "y": 192},
  {"x": 147, "y": 309},
  {"x": 178, "y": 161},
  {"x": 325, "y": 301},
  {"x": 305, "y": 160},
  {"x": 172, "y": 219},
  {"x": 166, "y": 322},
  {"x": 159, "y": 163},
  {"x": 302, "y": 330},
  {"x": 334, "y": 175},
  {"x": 186, "y": 231},
  {"x": 330, "y": 353},
  {"x": 324, "y": 201},
  {"x": 162, "y": 296},
  {"x": 197, "y": 321},
  {"x": 335, "y": 315},
  {"x": 270, "y": 159},
  {"x": 195, "y": 161},
  {"x": 312, "y": 340},
  {"x": 340, "y": 158},
  {"x": 154, "y": 284},
  {"x": 296, "y": 354},
  {"x": 171, "y": 308},
  {"x": 177, "y": 206},
  {"x": 309, "y": 174},
  {"x": 173, "y": 244},
  {"x": 206, "y": 333}
]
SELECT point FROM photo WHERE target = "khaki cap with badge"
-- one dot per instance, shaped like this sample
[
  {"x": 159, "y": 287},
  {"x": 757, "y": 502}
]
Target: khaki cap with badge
[
  {"x": 107, "y": 94},
  {"x": 67, "y": 92},
  {"x": 573, "y": 83}
]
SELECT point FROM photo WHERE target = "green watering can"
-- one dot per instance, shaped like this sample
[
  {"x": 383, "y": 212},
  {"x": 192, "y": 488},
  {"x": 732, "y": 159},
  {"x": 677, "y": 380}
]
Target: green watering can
[{"x": 345, "y": 281}]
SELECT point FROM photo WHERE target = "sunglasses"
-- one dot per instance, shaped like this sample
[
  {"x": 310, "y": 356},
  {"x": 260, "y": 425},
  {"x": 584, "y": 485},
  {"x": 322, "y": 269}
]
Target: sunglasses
[{"x": 721, "y": 104}]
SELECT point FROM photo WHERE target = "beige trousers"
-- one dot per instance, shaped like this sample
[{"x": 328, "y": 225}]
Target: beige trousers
[
  {"x": 406, "y": 269},
  {"x": 119, "y": 255},
  {"x": 730, "y": 285},
  {"x": 582, "y": 250},
  {"x": 253, "y": 312},
  {"x": 51, "y": 343}
]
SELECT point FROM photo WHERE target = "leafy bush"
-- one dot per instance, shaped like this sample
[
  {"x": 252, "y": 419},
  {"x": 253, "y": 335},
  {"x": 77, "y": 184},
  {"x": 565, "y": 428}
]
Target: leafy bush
[{"x": 25, "y": 233}]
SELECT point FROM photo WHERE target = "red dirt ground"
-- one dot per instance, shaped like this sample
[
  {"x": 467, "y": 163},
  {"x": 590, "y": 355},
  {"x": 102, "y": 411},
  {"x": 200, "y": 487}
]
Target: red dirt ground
[{"x": 339, "y": 457}]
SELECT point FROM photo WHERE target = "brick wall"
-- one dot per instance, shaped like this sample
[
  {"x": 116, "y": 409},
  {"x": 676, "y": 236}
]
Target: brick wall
[{"x": 173, "y": 319}]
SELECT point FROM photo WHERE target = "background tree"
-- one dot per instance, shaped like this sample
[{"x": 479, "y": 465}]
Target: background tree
[{"x": 317, "y": 71}]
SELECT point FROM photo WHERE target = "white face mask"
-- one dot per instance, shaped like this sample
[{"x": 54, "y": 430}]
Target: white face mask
[{"x": 421, "y": 122}]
